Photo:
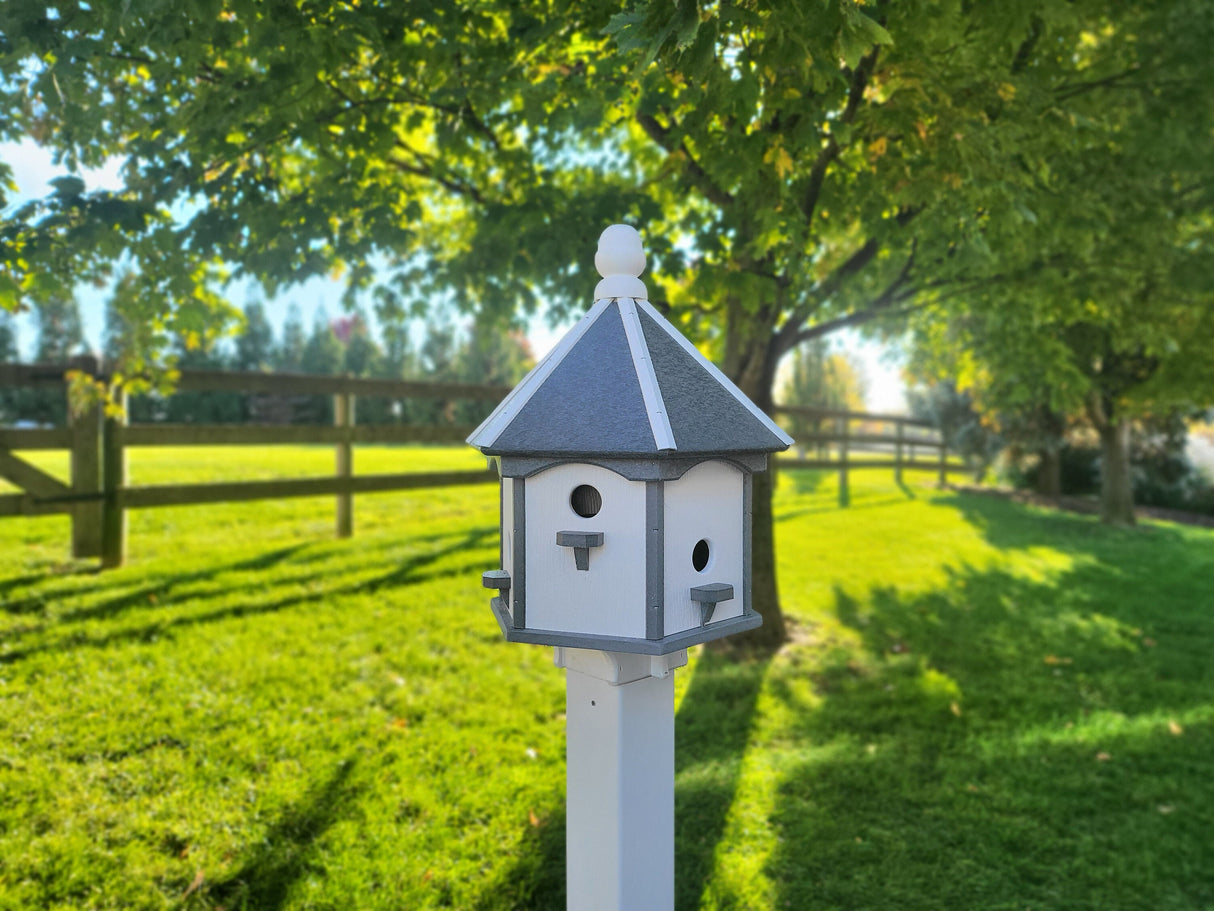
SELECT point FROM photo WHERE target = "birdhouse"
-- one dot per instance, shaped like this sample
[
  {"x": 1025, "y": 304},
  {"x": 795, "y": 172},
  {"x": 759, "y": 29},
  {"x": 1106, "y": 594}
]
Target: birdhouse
[{"x": 626, "y": 460}]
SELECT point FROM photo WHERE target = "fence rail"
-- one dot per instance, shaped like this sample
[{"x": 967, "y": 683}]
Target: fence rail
[
  {"x": 97, "y": 495},
  {"x": 898, "y": 438}
]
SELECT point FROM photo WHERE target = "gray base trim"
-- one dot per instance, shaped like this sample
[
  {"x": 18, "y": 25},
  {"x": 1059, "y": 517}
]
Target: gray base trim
[{"x": 663, "y": 646}]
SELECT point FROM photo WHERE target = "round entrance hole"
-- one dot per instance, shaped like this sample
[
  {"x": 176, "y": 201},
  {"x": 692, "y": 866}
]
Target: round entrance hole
[
  {"x": 586, "y": 501},
  {"x": 700, "y": 554}
]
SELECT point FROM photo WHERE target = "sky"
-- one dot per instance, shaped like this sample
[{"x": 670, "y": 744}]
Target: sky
[{"x": 33, "y": 169}]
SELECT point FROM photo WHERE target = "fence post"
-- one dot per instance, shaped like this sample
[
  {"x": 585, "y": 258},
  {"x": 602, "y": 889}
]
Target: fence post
[
  {"x": 343, "y": 416},
  {"x": 86, "y": 469},
  {"x": 898, "y": 453},
  {"x": 113, "y": 472},
  {"x": 842, "y": 425}
]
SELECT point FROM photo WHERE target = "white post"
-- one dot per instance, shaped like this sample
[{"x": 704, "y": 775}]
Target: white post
[{"x": 619, "y": 833}]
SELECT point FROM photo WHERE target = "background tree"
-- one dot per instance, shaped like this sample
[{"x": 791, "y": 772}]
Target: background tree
[
  {"x": 254, "y": 348},
  {"x": 60, "y": 337},
  {"x": 288, "y": 358},
  {"x": 9, "y": 354},
  {"x": 816, "y": 377},
  {"x": 963, "y": 427}
]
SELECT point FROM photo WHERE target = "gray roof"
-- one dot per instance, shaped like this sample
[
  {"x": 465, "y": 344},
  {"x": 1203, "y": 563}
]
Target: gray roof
[{"x": 624, "y": 382}]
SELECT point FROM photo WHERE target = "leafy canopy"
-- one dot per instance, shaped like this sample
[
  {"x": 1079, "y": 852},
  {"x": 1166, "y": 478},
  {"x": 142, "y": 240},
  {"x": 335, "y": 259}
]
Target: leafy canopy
[{"x": 797, "y": 166}]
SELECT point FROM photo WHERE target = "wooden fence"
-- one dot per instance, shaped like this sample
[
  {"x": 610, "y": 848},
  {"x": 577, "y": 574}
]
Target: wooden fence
[
  {"x": 845, "y": 441},
  {"x": 97, "y": 495}
]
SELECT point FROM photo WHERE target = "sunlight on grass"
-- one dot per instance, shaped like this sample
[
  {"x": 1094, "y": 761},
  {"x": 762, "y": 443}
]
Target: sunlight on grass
[{"x": 983, "y": 706}]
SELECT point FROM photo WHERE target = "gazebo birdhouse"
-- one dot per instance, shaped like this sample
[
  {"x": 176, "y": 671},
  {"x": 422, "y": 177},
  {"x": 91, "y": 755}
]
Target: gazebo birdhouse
[{"x": 626, "y": 460}]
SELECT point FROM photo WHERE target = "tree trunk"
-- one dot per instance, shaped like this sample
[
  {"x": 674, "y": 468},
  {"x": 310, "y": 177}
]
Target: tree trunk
[
  {"x": 751, "y": 363},
  {"x": 1049, "y": 472},
  {"x": 1116, "y": 489}
]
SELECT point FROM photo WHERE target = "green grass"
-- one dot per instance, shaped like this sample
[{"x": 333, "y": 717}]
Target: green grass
[{"x": 984, "y": 706}]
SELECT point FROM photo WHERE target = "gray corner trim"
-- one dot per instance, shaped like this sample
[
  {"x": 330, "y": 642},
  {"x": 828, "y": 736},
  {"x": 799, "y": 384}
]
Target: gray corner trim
[
  {"x": 663, "y": 646},
  {"x": 491, "y": 428},
  {"x": 519, "y": 589},
  {"x": 721, "y": 378},
  {"x": 655, "y": 408},
  {"x": 655, "y": 559},
  {"x": 748, "y": 502},
  {"x": 644, "y": 469}
]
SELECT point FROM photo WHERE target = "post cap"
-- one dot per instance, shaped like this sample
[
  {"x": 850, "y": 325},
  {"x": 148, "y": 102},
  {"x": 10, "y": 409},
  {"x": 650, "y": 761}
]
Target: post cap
[{"x": 620, "y": 260}]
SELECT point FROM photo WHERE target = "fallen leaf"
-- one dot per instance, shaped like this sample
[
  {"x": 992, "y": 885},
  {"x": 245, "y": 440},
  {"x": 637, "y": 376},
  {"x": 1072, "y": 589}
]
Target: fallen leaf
[
  {"x": 1174, "y": 727},
  {"x": 199, "y": 878},
  {"x": 955, "y": 709},
  {"x": 1054, "y": 659},
  {"x": 1148, "y": 642},
  {"x": 533, "y": 819},
  {"x": 1103, "y": 757},
  {"x": 399, "y": 723}
]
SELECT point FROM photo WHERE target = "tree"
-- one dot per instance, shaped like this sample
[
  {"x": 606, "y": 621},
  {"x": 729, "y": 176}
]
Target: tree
[
  {"x": 797, "y": 167},
  {"x": 819, "y": 378},
  {"x": 1105, "y": 309},
  {"x": 960, "y": 423},
  {"x": 323, "y": 353},
  {"x": 255, "y": 340},
  {"x": 60, "y": 337},
  {"x": 9, "y": 354},
  {"x": 289, "y": 356}
]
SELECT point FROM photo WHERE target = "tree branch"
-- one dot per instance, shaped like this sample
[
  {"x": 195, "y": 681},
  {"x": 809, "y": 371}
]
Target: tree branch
[
  {"x": 664, "y": 137},
  {"x": 791, "y": 334},
  {"x": 427, "y": 171},
  {"x": 830, "y": 151},
  {"x": 1069, "y": 90}
]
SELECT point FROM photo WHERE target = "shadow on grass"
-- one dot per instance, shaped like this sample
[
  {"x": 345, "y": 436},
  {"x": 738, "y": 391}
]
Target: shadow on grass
[
  {"x": 536, "y": 880},
  {"x": 1003, "y": 742},
  {"x": 404, "y": 575},
  {"x": 285, "y": 854},
  {"x": 161, "y": 591},
  {"x": 712, "y": 729},
  {"x": 804, "y": 480},
  {"x": 1006, "y": 524}
]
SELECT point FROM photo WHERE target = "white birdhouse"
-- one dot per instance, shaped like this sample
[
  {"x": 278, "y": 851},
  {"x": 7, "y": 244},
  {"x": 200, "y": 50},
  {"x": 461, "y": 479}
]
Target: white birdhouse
[{"x": 626, "y": 460}]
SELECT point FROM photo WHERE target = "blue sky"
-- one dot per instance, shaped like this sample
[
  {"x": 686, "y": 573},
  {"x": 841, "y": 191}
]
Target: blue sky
[{"x": 33, "y": 169}]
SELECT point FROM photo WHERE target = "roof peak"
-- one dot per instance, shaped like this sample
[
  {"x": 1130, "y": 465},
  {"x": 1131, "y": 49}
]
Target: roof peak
[{"x": 620, "y": 259}]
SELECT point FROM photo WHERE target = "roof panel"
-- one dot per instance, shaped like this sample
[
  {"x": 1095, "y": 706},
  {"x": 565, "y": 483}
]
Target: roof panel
[{"x": 608, "y": 390}]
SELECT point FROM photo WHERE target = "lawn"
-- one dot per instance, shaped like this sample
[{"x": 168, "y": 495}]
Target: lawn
[{"x": 985, "y": 705}]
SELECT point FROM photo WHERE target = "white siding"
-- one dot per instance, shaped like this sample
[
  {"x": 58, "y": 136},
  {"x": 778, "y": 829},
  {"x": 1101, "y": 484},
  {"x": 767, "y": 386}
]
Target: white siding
[
  {"x": 706, "y": 503},
  {"x": 609, "y": 598}
]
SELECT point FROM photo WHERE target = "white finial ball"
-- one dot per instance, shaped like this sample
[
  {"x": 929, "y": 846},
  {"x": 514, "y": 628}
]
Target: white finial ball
[{"x": 620, "y": 252}]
